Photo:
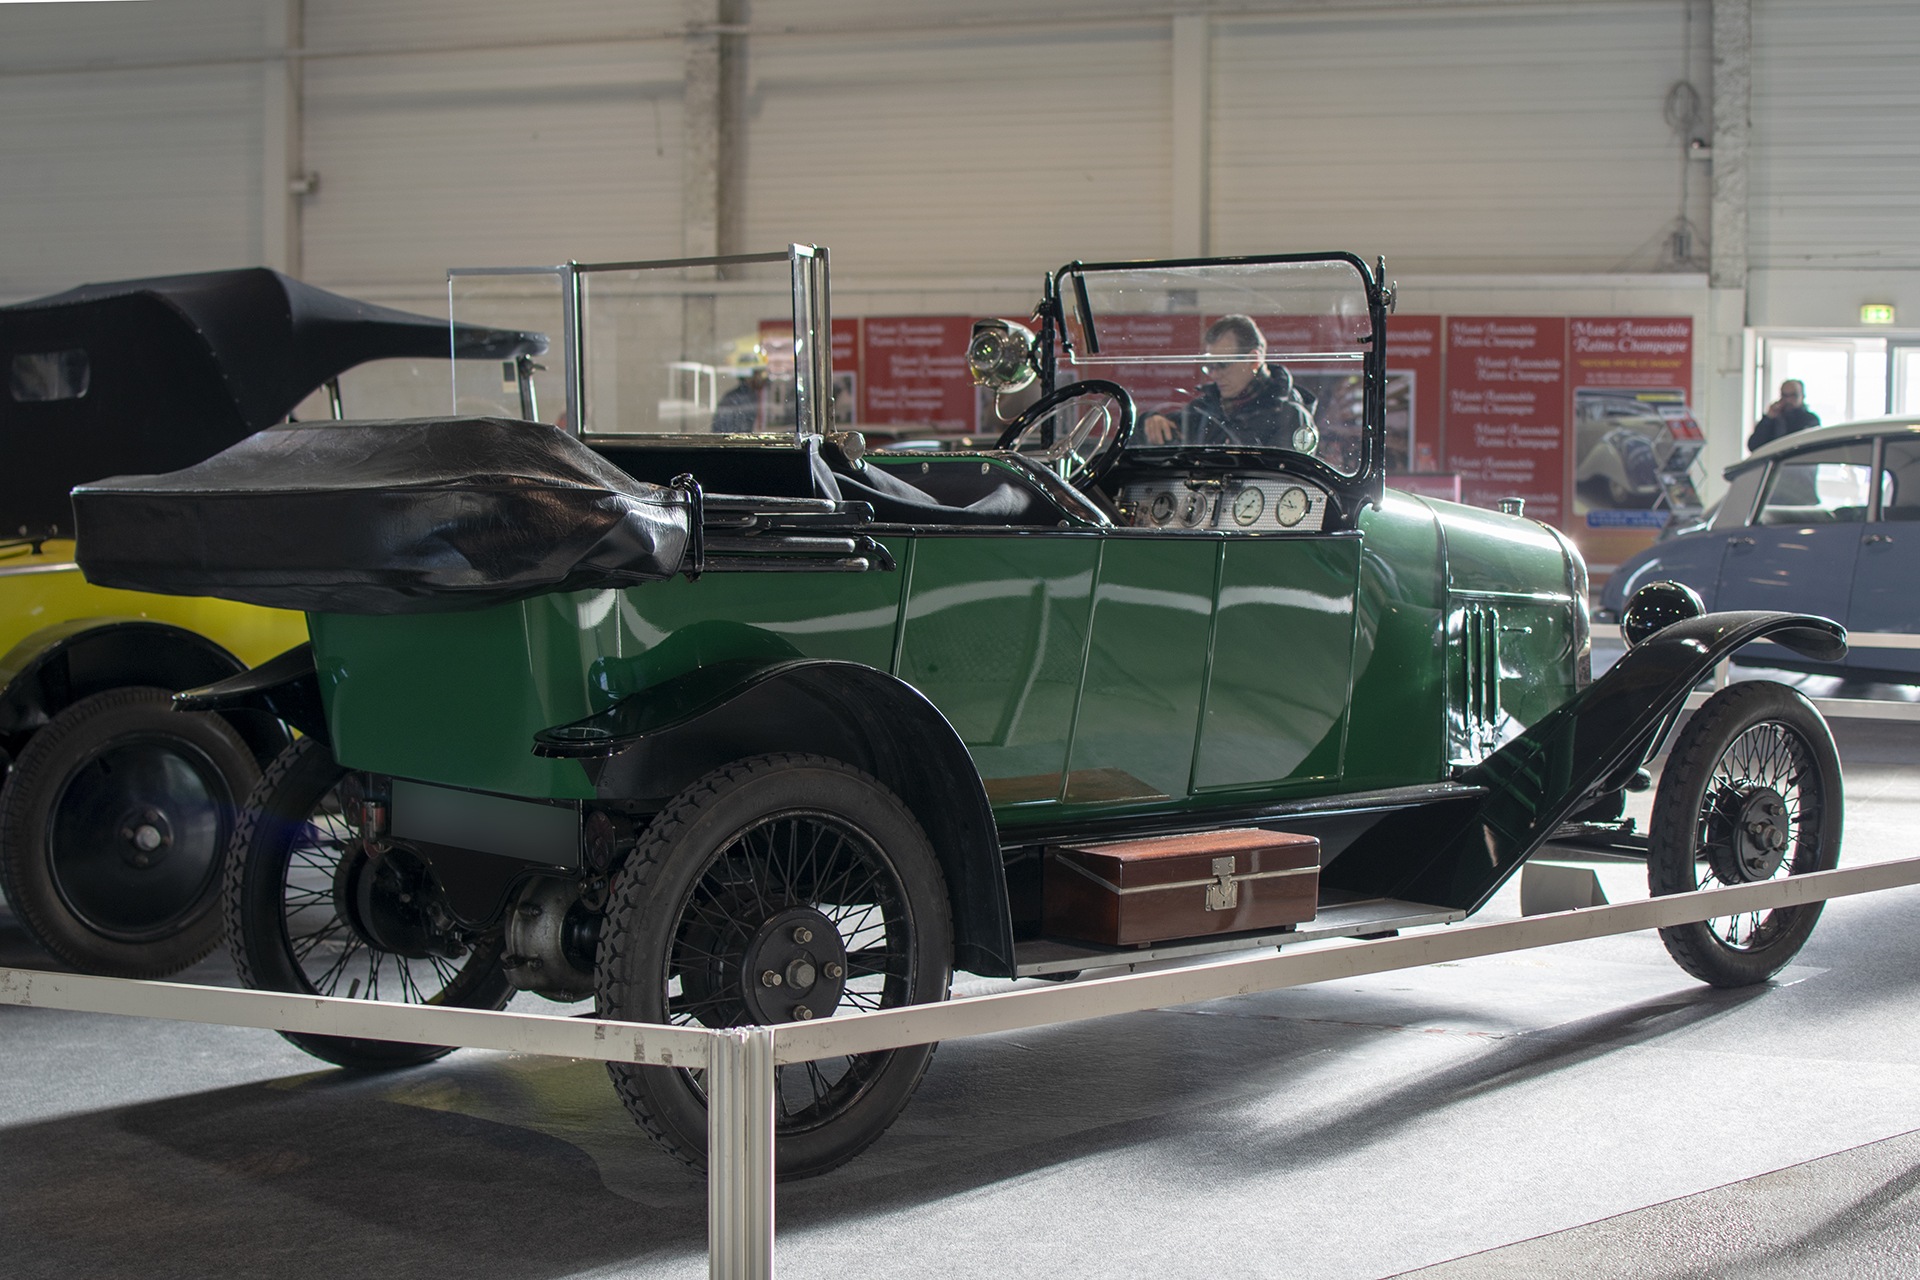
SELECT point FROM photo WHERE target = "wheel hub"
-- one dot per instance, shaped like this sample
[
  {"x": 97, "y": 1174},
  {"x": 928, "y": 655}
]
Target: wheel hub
[
  {"x": 794, "y": 968},
  {"x": 146, "y": 836},
  {"x": 1756, "y": 834},
  {"x": 383, "y": 900}
]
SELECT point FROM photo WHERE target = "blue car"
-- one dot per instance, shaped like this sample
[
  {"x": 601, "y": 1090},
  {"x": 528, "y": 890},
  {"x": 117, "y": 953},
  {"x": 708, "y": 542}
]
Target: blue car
[{"x": 1826, "y": 522}]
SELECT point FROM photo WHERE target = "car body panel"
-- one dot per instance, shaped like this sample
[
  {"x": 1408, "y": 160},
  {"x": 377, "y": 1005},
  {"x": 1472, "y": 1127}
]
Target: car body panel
[
  {"x": 995, "y": 635},
  {"x": 1146, "y": 672},
  {"x": 1849, "y": 563},
  {"x": 37, "y": 589},
  {"x": 1282, "y": 665},
  {"x": 1886, "y": 582},
  {"x": 1809, "y": 569}
]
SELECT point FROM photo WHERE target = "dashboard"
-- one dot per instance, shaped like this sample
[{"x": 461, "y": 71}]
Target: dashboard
[{"x": 1228, "y": 503}]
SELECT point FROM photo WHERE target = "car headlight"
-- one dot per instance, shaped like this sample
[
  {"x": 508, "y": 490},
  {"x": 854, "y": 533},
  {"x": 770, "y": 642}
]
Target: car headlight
[
  {"x": 1001, "y": 355},
  {"x": 1656, "y": 606}
]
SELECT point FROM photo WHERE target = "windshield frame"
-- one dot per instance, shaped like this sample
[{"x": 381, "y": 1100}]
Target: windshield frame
[
  {"x": 1065, "y": 293},
  {"x": 811, "y": 310}
]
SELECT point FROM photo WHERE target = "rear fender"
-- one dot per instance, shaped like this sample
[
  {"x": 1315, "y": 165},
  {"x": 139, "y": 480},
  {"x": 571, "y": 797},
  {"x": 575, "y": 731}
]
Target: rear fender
[
  {"x": 650, "y": 746},
  {"x": 1458, "y": 854},
  {"x": 283, "y": 688},
  {"x": 57, "y": 666}
]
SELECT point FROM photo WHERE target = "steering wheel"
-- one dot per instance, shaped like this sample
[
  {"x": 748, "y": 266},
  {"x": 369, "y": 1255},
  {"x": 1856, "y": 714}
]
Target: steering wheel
[{"x": 1077, "y": 431}]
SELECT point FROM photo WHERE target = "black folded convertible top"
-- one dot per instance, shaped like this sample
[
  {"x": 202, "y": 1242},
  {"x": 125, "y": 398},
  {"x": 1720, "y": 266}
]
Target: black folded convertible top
[
  {"x": 425, "y": 515},
  {"x": 167, "y": 370}
]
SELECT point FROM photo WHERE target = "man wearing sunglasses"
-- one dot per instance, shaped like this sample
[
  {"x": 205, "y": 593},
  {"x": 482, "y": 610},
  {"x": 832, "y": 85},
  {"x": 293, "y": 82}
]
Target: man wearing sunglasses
[{"x": 1246, "y": 404}]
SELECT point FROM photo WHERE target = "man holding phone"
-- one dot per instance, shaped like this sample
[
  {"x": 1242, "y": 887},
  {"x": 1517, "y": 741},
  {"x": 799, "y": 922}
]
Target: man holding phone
[{"x": 1784, "y": 416}]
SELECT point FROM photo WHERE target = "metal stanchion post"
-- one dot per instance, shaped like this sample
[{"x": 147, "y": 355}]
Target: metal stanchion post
[{"x": 740, "y": 1155}]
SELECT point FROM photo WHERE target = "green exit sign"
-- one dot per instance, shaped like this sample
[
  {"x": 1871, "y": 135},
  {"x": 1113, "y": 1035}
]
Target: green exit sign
[{"x": 1876, "y": 313}]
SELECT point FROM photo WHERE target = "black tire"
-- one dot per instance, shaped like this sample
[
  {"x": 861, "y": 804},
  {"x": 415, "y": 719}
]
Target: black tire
[
  {"x": 286, "y": 930},
  {"x": 710, "y": 891},
  {"x": 114, "y": 822},
  {"x": 1751, "y": 791}
]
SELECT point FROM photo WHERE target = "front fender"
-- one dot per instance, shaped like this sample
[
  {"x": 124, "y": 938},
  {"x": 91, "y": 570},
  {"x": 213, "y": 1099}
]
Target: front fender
[
  {"x": 651, "y": 745},
  {"x": 1459, "y": 855},
  {"x": 56, "y": 666}
]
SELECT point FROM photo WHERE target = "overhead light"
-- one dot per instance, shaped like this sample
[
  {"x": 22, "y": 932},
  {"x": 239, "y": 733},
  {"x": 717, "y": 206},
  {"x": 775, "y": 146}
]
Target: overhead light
[{"x": 1876, "y": 313}]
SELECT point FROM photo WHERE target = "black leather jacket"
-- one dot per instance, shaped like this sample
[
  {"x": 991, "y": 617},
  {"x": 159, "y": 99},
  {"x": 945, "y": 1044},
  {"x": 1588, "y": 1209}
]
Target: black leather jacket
[
  {"x": 1265, "y": 416},
  {"x": 1769, "y": 429}
]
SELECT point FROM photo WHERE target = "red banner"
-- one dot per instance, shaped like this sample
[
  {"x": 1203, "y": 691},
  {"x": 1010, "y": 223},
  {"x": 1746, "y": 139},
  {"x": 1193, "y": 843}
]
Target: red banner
[
  {"x": 1506, "y": 414},
  {"x": 915, "y": 372},
  {"x": 1413, "y": 393},
  {"x": 1630, "y": 393}
]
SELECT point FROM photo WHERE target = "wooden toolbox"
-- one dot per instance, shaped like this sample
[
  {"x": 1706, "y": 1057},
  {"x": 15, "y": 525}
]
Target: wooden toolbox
[{"x": 1180, "y": 886}]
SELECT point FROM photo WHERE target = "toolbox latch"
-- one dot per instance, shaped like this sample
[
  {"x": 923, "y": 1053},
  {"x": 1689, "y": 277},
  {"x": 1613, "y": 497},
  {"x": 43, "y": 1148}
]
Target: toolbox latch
[{"x": 1224, "y": 894}]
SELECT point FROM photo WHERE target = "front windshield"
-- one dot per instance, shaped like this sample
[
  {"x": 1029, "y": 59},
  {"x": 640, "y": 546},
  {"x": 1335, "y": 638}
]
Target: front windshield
[{"x": 1226, "y": 355}]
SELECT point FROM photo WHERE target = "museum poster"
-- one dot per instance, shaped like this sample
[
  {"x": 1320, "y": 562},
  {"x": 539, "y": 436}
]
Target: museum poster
[
  {"x": 1634, "y": 431},
  {"x": 1413, "y": 393},
  {"x": 914, "y": 371},
  {"x": 1506, "y": 411}
]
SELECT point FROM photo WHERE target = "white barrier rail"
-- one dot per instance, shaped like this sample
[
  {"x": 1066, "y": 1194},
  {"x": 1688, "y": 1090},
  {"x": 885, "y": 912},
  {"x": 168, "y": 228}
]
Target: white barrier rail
[{"x": 740, "y": 1062}]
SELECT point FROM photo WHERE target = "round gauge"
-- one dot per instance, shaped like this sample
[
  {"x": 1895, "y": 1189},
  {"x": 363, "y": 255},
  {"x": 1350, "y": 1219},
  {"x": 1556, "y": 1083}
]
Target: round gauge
[
  {"x": 1247, "y": 506},
  {"x": 1291, "y": 507},
  {"x": 1160, "y": 509},
  {"x": 1193, "y": 512}
]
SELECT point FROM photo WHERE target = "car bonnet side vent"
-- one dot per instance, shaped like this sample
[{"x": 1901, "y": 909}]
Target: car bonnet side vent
[{"x": 1475, "y": 718}]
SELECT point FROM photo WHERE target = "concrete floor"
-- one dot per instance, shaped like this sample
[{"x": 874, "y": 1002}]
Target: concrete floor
[{"x": 1586, "y": 1109}]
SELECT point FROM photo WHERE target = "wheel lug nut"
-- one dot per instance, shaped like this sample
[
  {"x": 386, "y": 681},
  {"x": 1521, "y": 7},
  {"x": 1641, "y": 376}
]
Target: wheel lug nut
[
  {"x": 803, "y": 935},
  {"x": 769, "y": 979},
  {"x": 801, "y": 1013},
  {"x": 833, "y": 970}
]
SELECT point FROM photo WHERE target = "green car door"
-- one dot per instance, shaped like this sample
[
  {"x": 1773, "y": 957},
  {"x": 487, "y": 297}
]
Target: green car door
[{"x": 1130, "y": 667}]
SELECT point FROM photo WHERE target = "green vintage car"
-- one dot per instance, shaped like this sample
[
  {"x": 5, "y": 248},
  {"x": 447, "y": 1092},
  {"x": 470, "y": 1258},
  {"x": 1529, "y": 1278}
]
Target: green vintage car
[{"x": 753, "y": 726}]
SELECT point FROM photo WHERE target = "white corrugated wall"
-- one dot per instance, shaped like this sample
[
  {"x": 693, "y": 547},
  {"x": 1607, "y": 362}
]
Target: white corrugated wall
[
  {"x": 1515, "y": 140},
  {"x": 962, "y": 153},
  {"x": 925, "y": 141},
  {"x": 566, "y": 146},
  {"x": 1834, "y": 197},
  {"x": 105, "y": 175}
]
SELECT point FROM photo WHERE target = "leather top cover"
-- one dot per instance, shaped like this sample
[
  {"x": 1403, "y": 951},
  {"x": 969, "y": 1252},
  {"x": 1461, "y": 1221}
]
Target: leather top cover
[{"x": 423, "y": 515}]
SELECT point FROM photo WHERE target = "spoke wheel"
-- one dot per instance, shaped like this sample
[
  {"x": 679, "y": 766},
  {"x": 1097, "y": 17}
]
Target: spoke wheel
[
  {"x": 309, "y": 911},
  {"x": 778, "y": 889},
  {"x": 113, "y": 825},
  {"x": 1751, "y": 792}
]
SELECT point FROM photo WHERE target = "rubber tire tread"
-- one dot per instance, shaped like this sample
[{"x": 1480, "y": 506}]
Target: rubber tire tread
[
  {"x": 24, "y": 809},
  {"x": 636, "y": 883},
  {"x": 1671, "y": 836},
  {"x": 296, "y": 779}
]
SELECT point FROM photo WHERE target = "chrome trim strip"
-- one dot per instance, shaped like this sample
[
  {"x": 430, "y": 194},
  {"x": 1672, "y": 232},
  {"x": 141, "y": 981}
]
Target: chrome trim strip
[{"x": 10, "y": 571}]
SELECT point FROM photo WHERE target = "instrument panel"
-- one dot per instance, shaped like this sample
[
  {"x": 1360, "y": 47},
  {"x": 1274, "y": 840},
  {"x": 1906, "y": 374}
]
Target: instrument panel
[{"x": 1228, "y": 503}]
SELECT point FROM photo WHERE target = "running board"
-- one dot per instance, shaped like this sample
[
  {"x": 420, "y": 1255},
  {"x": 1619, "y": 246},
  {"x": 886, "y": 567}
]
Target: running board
[{"x": 1042, "y": 956}]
